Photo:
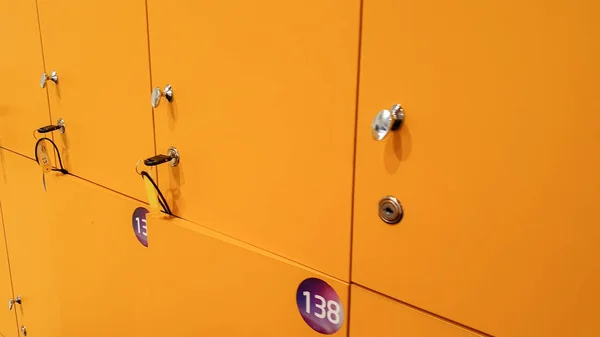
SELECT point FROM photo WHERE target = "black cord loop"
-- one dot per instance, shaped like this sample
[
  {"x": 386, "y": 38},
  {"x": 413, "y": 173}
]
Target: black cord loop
[
  {"x": 61, "y": 169},
  {"x": 161, "y": 200}
]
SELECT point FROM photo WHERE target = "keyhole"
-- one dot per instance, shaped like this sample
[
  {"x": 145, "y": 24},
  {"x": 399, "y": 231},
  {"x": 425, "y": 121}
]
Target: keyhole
[{"x": 390, "y": 210}]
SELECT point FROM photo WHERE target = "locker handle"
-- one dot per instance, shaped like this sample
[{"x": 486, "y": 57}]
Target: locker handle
[
  {"x": 45, "y": 78},
  {"x": 12, "y": 302},
  {"x": 386, "y": 121},
  {"x": 157, "y": 94}
]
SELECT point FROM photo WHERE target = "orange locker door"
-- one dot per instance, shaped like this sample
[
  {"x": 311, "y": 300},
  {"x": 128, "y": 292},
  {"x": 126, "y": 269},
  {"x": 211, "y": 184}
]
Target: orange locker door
[
  {"x": 100, "y": 263},
  {"x": 8, "y": 318},
  {"x": 27, "y": 213},
  {"x": 207, "y": 284},
  {"x": 24, "y": 105},
  {"x": 262, "y": 113},
  {"x": 495, "y": 167},
  {"x": 99, "y": 50},
  {"x": 376, "y": 315}
]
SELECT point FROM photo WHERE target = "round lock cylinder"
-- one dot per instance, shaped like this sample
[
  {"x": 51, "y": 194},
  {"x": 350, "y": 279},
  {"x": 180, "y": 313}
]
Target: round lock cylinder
[
  {"x": 390, "y": 210},
  {"x": 174, "y": 154}
]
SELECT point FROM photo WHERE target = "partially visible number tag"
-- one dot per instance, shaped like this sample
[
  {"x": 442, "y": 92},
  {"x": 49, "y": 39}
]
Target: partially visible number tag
[
  {"x": 44, "y": 158},
  {"x": 152, "y": 197}
]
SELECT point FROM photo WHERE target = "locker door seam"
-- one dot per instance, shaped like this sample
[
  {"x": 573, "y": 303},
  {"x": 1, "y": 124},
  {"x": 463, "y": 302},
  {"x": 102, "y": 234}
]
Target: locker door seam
[
  {"x": 424, "y": 311},
  {"x": 12, "y": 286},
  {"x": 356, "y": 101},
  {"x": 151, "y": 81},
  {"x": 39, "y": 23}
]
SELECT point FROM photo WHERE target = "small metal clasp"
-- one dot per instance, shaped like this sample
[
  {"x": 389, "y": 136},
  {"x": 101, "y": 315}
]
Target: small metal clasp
[
  {"x": 390, "y": 210},
  {"x": 53, "y": 77},
  {"x": 157, "y": 94}
]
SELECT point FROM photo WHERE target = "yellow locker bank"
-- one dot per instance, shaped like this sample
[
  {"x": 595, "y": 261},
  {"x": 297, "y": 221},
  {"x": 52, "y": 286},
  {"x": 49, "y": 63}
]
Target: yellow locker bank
[{"x": 329, "y": 167}]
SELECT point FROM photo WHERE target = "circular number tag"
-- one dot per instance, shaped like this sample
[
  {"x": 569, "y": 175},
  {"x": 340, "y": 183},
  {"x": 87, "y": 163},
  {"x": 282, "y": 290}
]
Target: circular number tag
[
  {"x": 138, "y": 220},
  {"x": 320, "y": 306}
]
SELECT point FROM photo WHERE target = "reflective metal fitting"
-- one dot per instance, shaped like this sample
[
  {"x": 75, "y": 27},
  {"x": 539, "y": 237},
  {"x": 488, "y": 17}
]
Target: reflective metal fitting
[
  {"x": 386, "y": 121},
  {"x": 390, "y": 210},
  {"x": 171, "y": 157},
  {"x": 157, "y": 94},
  {"x": 60, "y": 125},
  {"x": 53, "y": 77}
]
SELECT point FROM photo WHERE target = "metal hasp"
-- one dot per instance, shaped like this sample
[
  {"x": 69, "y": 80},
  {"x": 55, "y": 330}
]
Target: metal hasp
[
  {"x": 157, "y": 94},
  {"x": 386, "y": 121},
  {"x": 53, "y": 77},
  {"x": 23, "y": 331},
  {"x": 60, "y": 125},
  {"x": 390, "y": 210},
  {"x": 171, "y": 157}
]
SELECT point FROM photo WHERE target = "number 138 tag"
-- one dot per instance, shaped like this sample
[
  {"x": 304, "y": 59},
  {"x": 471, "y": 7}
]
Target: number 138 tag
[{"x": 320, "y": 306}]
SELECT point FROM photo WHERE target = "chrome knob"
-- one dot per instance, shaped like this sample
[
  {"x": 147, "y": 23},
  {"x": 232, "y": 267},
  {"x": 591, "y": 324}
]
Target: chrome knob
[
  {"x": 53, "y": 77},
  {"x": 386, "y": 121},
  {"x": 157, "y": 94},
  {"x": 12, "y": 301},
  {"x": 23, "y": 331}
]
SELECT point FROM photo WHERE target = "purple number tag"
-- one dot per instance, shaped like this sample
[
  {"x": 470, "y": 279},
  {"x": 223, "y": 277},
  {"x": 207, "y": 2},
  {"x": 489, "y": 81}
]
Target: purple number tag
[
  {"x": 320, "y": 306},
  {"x": 138, "y": 220}
]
